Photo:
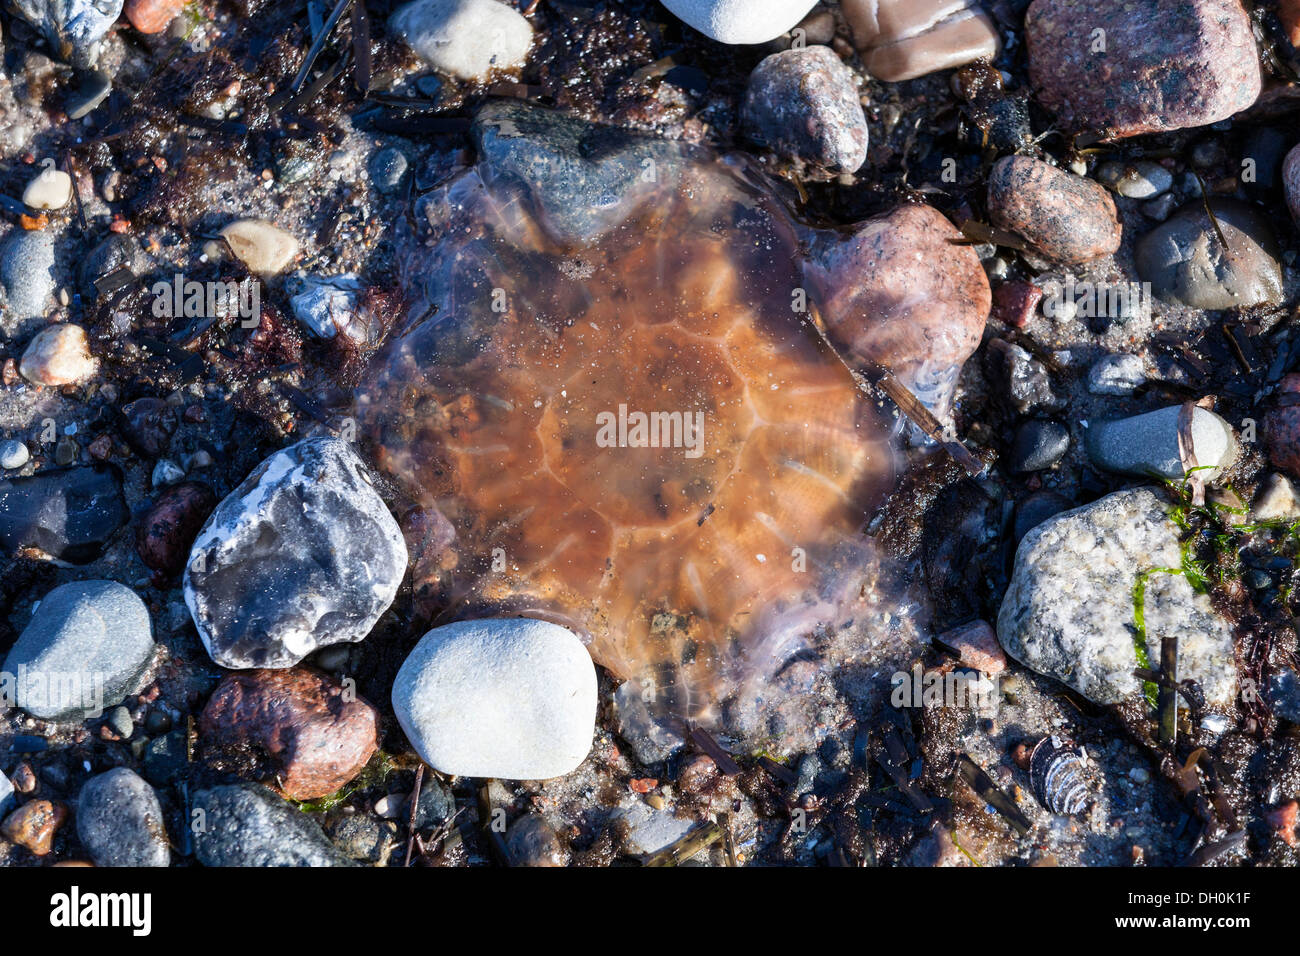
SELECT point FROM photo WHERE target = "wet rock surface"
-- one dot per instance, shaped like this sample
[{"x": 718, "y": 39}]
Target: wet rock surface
[
  {"x": 67, "y": 514},
  {"x": 1148, "y": 446},
  {"x": 803, "y": 103},
  {"x": 316, "y": 734},
  {"x": 302, "y": 555},
  {"x": 901, "y": 40}
]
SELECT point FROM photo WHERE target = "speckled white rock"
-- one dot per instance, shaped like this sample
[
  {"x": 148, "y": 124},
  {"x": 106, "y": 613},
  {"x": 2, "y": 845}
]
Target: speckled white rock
[
  {"x": 466, "y": 38},
  {"x": 511, "y": 698},
  {"x": 303, "y": 554},
  {"x": 262, "y": 246},
  {"x": 59, "y": 355},
  {"x": 50, "y": 190},
  {"x": 741, "y": 21},
  {"x": 1146, "y": 446},
  {"x": 120, "y": 822},
  {"x": 1069, "y": 611}
]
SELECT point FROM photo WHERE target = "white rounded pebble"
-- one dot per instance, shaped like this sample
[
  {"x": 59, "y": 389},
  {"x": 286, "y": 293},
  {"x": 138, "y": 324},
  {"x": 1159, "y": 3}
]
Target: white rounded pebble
[
  {"x": 511, "y": 698},
  {"x": 59, "y": 355},
  {"x": 13, "y": 454},
  {"x": 262, "y": 246},
  {"x": 741, "y": 21},
  {"x": 466, "y": 38},
  {"x": 50, "y": 190}
]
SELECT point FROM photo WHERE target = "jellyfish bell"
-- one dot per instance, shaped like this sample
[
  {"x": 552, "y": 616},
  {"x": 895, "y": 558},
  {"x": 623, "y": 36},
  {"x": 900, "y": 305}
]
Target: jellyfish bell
[{"x": 612, "y": 396}]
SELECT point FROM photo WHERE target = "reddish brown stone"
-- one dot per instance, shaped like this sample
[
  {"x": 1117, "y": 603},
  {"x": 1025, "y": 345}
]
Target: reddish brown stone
[
  {"x": 1291, "y": 180},
  {"x": 317, "y": 739},
  {"x": 1063, "y": 217},
  {"x": 1283, "y": 821},
  {"x": 1288, "y": 11},
  {"x": 977, "y": 646},
  {"x": 34, "y": 823},
  {"x": 1282, "y": 427},
  {"x": 899, "y": 293},
  {"x": 1015, "y": 303},
  {"x": 153, "y": 16},
  {"x": 1124, "y": 67},
  {"x": 164, "y": 535}
]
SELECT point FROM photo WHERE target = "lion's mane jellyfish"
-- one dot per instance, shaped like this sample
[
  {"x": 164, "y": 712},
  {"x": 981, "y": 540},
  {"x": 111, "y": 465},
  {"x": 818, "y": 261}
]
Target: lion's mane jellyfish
[{"x": 613, "y": 409}]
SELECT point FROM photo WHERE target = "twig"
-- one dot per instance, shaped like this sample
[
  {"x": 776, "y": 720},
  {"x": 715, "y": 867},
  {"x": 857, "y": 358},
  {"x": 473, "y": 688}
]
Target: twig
[
  {"x": 318, "y": 45},
  {"x": 415, "y": 805}
]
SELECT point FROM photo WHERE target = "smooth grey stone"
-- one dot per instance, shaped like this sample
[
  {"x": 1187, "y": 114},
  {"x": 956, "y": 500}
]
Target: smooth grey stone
[
  {"x": 68, "y": 514},
  {"x": 585, "y": 179},
  {"x": 303, "y": 554},
  {"x": 248, "y": 825},
  {"x": 1142, "y": 179},
  {"x": 85, "y": 649},
  {"x": 1187, "y": 265},
  {"x": 119, "y": 719},
  {"x": 27, "y": 274},
  {"x": 741, "y": 21},
  {"x": 1068, "y": 612},
  {"x": 1147, "y": 445},
  {"x": 1038, "y": 445},
  {"x": 120, "y": 822}
]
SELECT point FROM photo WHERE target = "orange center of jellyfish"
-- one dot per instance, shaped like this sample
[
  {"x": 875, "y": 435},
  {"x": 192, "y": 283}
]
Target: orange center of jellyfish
[{"x": 643, "y": 439}]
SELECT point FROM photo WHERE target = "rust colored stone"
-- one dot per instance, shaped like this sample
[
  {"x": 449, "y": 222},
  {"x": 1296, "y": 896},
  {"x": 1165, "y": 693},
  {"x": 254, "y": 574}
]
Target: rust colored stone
[
  {"x": 1281, "y": 427},
  {"x": 1288, "y": 11},
  {"x": 164, "y": 535},
  {"x": 316, "y": 738},
  {"x": 34, "y": 824},
  {"x": 153, "y": 16},
  {"x": 1016, "y": 302}
]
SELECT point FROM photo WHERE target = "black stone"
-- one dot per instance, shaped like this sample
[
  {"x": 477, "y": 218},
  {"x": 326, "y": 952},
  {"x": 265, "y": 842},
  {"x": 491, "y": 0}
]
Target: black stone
[
  {"x": 1038, "y": 445},
  {"x": 69, "y": 514}
]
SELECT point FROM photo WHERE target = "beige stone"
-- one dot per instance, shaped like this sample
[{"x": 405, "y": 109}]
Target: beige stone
[
  {"x": 262, "y": 246},
  {"x": 50, "y": 190},
  {"x": 59, "y": 355}
]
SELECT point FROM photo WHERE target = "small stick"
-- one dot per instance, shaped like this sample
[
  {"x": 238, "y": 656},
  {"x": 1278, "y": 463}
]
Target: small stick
[{"x": 415, "y": 805}]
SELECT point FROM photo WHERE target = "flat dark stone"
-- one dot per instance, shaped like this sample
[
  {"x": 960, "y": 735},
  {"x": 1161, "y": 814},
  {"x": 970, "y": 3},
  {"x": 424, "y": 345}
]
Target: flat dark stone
[{"x": 68, "y": 514}]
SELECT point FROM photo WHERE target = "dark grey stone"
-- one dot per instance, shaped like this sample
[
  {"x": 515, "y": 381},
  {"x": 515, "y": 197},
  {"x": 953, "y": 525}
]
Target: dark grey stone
[
  {"x": 248, "y": 825},
  {"x": 1038, "y": 445},
  {"x": 120, "y": 822},
  {"x": 1186, "y": 263},
  {"x": 388, "y": 169},
  {"x": 67, "y": 514}
]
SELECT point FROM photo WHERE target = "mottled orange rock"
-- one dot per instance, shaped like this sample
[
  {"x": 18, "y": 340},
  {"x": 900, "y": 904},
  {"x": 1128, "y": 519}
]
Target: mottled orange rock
[
  {"x": 317, "y": 736},
  {"x": 34, "y": 824},
  {"x": 152, "y": 16},
  {"x": 1066, "y": 218}
]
